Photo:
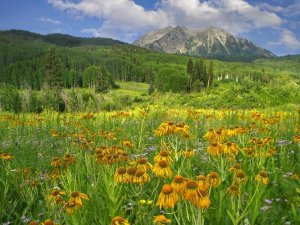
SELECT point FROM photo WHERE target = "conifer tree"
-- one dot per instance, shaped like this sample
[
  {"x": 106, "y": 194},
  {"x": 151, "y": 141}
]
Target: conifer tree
[
  {"x": 53, "y": 70},
  {"x": 204, "y": 75},
  {"x": 104, "y": 80},
  {"x": 210, "y": 74},
  {"x": 190, "y": 72}
]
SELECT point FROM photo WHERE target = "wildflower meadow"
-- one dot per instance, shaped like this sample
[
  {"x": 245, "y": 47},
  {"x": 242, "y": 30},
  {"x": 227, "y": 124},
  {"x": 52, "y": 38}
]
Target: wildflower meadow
[{"x": 150, "y": 166}]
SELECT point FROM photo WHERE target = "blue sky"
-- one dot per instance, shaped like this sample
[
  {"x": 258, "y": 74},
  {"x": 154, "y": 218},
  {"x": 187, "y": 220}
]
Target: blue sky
[{"x": 272, "y": 24}]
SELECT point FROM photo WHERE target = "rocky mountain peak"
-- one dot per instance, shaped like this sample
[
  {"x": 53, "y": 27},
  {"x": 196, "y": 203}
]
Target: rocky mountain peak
[{"x": 211, "y": 42}]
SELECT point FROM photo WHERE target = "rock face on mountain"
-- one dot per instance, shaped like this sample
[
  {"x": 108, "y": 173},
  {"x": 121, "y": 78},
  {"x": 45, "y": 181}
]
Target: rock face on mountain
[{"x": 212, "y": 42}]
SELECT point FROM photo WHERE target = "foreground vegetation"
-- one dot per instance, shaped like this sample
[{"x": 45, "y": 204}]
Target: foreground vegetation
[
  {"x": 130, "y": 95},
  {"x": 152, "y": 165}
]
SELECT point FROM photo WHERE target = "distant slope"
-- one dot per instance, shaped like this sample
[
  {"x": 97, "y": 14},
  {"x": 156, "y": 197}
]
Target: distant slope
[
  {"x": 211, "y": 43},
  {"x": 60, "y": 39}
]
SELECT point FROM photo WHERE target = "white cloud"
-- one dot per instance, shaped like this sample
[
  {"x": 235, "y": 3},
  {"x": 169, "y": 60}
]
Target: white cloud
[
  {"x": 287, "y": 39},
  {"x": 271, "y": 8},
  {"x": 125, "y": 20},
  {"x": 49, "y": 20},
  {"x": 233, "y": 15}
]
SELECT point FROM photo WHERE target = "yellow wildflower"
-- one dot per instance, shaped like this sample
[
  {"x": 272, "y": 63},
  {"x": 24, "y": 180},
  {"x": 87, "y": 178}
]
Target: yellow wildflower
[
  {"x": 118, "y": 220},
  {"x": 161, "y": 219},
  {"x": 162, "y": 169},
  {"x": 167, "y": 197},
  {"x": 262, "y": 177}
]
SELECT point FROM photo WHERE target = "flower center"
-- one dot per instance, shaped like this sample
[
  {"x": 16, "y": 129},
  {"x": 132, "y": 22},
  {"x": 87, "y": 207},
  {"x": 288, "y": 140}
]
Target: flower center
[
  {"x": 178, "y": 179},
  {"x": 121, "y": 170},
  {"x": 164, "y": 153},
  {"x": 167, "y": 189},
  {"x": 75, "y": 194},
  {"x": 131, "y": 171},
  {"x": 163, "y": 164},
  {"x": 192, "y": 185}
]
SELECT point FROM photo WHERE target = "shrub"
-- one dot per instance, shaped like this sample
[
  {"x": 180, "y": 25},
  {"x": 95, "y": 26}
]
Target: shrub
[
  {"x": 10, "y": 99},
  {"x": 169, "y": 79}
]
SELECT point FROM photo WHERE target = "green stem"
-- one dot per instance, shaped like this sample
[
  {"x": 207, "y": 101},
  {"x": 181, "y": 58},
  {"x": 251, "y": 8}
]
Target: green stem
[{"x": 245, "y": 210}]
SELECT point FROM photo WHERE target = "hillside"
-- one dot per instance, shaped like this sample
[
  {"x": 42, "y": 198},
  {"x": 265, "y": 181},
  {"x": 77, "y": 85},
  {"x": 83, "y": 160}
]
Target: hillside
[
  {"x": 57, "y": 39},
  {"x": 22, "y": 57},
  {"x": 212, "y": 43}
]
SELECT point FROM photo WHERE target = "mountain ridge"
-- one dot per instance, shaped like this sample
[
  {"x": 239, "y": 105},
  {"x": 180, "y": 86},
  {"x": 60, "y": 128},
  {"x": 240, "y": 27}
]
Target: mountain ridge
[
  {"x": 211, "y": 42},
  {"x": 60, "y": 39}
]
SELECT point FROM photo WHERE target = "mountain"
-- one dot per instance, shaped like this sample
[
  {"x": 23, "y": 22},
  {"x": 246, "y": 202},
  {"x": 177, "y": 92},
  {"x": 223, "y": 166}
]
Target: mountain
[
  {"x": 58, "y": 39},
  {"x": 211, "y": 43}
]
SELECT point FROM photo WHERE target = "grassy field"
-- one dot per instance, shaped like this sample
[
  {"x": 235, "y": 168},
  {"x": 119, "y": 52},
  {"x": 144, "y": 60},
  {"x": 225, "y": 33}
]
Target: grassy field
[{"x": 150, "y": 165}]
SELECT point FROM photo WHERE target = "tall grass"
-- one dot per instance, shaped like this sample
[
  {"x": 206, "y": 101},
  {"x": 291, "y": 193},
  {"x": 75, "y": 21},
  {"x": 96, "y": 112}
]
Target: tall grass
[{"x": 82, "y": 152}]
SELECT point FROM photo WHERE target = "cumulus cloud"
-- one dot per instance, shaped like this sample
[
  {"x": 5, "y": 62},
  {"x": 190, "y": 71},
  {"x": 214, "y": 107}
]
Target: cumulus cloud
[
  {"x": 125, "y": 20},
  {"x": 287, "y": 39},
  {"x": 233, "y": 15},
  {"x": 49, "y": 20}
]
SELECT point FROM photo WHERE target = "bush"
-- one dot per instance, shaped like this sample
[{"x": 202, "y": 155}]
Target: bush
[
  {"x": 51, "y": 100},
  {"x": 10, "y": 99},
  {"x": 169, "y": 79}
]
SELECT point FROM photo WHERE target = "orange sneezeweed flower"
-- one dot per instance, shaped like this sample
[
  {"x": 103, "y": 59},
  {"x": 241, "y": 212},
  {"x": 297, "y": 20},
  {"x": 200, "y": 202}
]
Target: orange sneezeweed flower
[
  {"x": 141, "y": 177},
  {"x": 57, "y": 162},
  {"x": 262, "y": 177},
  {"x": 163, "y": 155},
  {"x": 195, "y": 195},
  {"x": 167, "y": 197},
  {"x": 296, "y": 139},
  {"x": 166, "y": 128},
  {"x": 214, "y": 179},
  {"x": 210, "y": 135},
  {"x": 204, "y": 202},
  {"x": 233, "y": 190},
  {"x": 120, "y": 174},
  {"x": 56, "y": 195},
  {"x": 127, "y": 143},
  {"x": 76, "y": 198},
  {"x": 178, "y": 184},
  {"x": 161, "y": 219},
  {"x": 118, "y": 220},
  {"x": 230, "y": 148},
  {"x": 162, "y": 169},
  {"x": 215, "y": 149},
  {"x": 203, "y": 182},
  {"x": 235, "y": 168},
  {"x": 143, "y": 164},
  {"x": 192, "y": 192},
  {"x": 130, "y": 178},
  {"x": 240, "y": 177},
  {"x": 182, "y": 129},
  {"x": 6, "y": 156}
]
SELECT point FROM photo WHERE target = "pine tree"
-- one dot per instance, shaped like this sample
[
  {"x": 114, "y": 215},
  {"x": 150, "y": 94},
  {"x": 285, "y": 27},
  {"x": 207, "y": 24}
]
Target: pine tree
[
  {"x": 53, "y": 70},
  {"x": 210, "y": 74},
  {"x": 103, "y": 82},
  {"x": 204, "y": 75},
  {"x": 190, "y": 67},
  {"x": 190, "y": 72},
  {"x": 199, "y": 70}
]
